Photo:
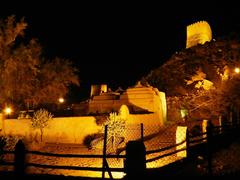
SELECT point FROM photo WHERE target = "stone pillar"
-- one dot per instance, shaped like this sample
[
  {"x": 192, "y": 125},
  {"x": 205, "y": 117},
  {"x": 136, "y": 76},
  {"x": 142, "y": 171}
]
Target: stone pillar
[{"x": 181, "y": 135}]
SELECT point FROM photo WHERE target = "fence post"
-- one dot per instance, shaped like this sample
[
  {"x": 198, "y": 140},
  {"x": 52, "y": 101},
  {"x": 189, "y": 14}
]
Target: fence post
[
  {"x": 209, "y": 147},
  {"x": 19, "y": 159},
  {"x": 142, "y": 135},
  {"x": 220, "y": 124},
  {"x": 238, "y": 116},
  {"x": 104, "y": 151},
  {"x": 104, "y": 162},
  {"x": 135, "y": 163}
]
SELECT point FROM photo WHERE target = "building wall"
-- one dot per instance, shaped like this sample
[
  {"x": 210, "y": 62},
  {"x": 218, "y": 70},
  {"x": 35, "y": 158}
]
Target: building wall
[
  {"x": 75, "y": 129},
  {"x": 104, "y": 106},
  {"x": 137, "y": 100},
  {"x": 60, "y": 130}
]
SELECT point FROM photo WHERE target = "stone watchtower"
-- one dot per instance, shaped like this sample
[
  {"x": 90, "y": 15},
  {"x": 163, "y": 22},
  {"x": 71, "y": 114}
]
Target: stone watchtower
[{"x": 198, "y": 33}]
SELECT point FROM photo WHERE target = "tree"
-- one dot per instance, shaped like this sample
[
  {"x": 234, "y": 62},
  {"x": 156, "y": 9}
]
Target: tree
[
  {"x": 40, "y": 120},
  {"x": 26, "y": 76},
  {"x": 53, "y": 78},
  {"x": 116, "y": 129}
]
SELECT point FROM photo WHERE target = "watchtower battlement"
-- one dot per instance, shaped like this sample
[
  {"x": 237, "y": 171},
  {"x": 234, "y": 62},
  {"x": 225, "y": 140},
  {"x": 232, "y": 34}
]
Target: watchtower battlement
[{"x": 198, "y": 33}]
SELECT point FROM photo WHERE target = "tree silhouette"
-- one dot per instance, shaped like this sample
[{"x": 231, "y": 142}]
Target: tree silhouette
[
  {"x": 40, "y": 120},
  {"x": 27, "y": 78}
]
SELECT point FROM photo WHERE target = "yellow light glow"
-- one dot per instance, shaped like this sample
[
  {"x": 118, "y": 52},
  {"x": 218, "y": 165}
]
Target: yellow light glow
[
  {"x": 8, "y": 110},
  {"x": 180, "y": 137},
  {"x": 237, "y": 70},
  {"x": 61, "y": 100},
  {"x": 184, "y": 112}
]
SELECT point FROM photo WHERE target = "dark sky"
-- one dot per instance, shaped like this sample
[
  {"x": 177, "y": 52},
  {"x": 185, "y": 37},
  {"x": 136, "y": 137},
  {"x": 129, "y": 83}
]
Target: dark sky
[{"x": 116, "y": 43}]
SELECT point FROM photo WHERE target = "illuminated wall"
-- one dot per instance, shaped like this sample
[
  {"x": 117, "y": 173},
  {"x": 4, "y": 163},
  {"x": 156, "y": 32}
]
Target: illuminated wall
[
  {"x": 198, "y": 33},
  {"x": 139, "y": 99},
  {"x": 67, "y": 130},
  {"x": 163, "y": 105}
]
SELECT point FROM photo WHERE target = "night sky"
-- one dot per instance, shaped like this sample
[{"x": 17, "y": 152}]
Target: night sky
[{"x": 116, "y": 43}]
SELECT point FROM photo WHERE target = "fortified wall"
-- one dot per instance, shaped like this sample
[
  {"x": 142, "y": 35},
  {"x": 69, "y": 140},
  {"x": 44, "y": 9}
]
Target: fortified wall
[
  {"x": 198, "y": 33},
  {"x": 138, "y": 104},
  {"x": 59, "y": 130},
  {"x": 139, "y": 99}
]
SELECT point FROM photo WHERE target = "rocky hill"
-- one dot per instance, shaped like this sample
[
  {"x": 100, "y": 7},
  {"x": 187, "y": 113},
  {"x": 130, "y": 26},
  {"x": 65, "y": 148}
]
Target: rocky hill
[{"x": 203, "y": 74}]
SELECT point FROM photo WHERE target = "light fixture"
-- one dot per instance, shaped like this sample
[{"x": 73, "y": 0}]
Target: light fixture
[
  {"x": 237, "y": 70},
  {"x": 61, "y": 100}
]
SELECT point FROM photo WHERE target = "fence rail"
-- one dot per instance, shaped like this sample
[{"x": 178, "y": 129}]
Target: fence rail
[
  {"x": 75, "y": 155},
  {"x": 73, "y": 167},
  {"x": 190, "y": 141},
  {"x": 165, "y": 148},
  {"x": 165, "y": 155}
]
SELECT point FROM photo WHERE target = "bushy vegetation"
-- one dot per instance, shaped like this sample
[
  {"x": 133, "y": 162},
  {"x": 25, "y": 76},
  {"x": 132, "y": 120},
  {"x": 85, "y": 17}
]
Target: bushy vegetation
[
  {"x": 27, "y": 77},
  {"x": 89, "y": 139},
  {"x": 201, "y": 79},
  {"x": 40, "y": 120},
  {"x": 8, "y": 143}
]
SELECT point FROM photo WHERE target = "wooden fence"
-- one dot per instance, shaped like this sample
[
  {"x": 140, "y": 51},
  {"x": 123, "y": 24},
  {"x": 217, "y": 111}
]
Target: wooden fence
[{"x": 201, "y": 143}]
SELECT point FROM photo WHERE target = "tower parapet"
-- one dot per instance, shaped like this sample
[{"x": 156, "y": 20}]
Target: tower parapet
[{"x": 198, "y": 33}]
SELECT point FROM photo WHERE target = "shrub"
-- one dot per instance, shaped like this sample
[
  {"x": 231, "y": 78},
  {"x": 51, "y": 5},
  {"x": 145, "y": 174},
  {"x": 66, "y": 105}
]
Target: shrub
[
  {"x": 41, "y": 119},
  {"x": 2, "y": 145},
  {"x": 89, "y": 138},
  {"x": 8, "y": 143},
  {"x": 11, "y": 141}
]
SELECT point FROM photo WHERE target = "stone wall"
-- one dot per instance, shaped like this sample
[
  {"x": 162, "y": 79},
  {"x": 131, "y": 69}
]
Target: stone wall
[
  {"x": 60, "y": 130},
  {"x": 198, "y": 33},
  {"x": 139, "y": 99},
  {"x": 75, "y": 129}
]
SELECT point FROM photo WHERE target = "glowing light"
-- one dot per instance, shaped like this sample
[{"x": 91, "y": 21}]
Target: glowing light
[
  {"x": 61, "y": 100},
  {"x": 184, "y": 112},
  {"x": 8, "y": 110},
  {"x": 237, "y": 70}
]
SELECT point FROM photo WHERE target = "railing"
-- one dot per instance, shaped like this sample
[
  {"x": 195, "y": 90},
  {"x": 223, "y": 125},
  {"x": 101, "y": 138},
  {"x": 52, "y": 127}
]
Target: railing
[
  {"x": 164, "y": 149},
  {"x": 190, "y": 142},
  {"x": 46, "y": 154},
  {"x": 205, "y": 140}
]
